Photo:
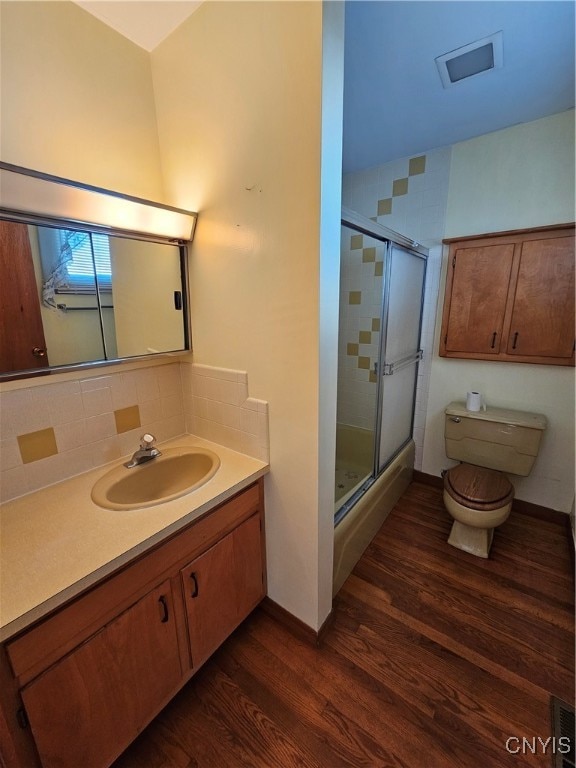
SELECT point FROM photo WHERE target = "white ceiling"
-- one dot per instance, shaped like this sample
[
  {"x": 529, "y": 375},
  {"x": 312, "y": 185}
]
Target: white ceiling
[
  {"x": 394, "y": 102},
  {"x": 145, "y": 22}
]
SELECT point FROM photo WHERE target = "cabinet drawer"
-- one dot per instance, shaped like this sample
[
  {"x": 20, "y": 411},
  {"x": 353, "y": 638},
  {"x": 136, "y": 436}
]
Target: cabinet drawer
[{"x": 42, "y": 645}]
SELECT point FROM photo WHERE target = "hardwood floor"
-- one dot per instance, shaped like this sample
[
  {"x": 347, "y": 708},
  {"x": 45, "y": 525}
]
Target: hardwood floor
[{"x": 435, "y": 659}]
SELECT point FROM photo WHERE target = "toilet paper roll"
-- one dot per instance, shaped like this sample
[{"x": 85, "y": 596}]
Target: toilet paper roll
[{"x": 474, "y": 401}]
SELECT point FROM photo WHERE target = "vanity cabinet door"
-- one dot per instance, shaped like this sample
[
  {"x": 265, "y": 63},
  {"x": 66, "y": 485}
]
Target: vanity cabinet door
[
  {"x": 87, "y": 708},
  {"x": 222, "y": 586}
]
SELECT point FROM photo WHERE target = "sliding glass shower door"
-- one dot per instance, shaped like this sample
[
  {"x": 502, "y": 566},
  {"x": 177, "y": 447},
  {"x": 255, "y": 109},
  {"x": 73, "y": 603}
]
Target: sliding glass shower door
[
  {"x": 400, "y": 353},
  {"x": 381, "y": 292}
]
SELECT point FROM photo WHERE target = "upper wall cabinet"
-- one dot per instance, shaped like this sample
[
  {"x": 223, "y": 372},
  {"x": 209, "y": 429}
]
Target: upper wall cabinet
[{"x": 510, "y": 296}]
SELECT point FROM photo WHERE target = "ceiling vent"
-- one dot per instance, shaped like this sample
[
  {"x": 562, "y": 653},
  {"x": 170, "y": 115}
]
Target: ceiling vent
[{"x": 470, "y": 60}]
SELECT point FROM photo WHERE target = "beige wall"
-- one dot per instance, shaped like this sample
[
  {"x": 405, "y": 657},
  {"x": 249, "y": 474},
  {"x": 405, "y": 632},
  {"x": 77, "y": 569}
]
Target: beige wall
[
  {"x": 519, "y": 177},
  {"x": 239, "y": 94},
  {"x": 76, "y": 99},
  {"x": 239, "y": 91}
]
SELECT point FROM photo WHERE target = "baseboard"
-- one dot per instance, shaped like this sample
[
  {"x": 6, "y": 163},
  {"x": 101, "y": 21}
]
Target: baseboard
[
  {"x": 425, "y": 479},
  {"x": 524, "y": 507},
  {"x": 294, "y": 625}
]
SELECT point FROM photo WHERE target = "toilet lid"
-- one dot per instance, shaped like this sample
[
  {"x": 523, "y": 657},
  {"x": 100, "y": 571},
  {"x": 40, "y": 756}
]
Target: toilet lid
[{"x": 480, "y": 486}]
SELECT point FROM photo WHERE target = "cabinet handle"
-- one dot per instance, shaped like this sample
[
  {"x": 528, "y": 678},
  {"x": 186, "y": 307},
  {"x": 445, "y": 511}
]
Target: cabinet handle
[
  {"x": 493, "y": 340},
  {"x": 164, "y": 605},
  {"x": 195, "y": 580},
  {"x": 515, "y": 340}
]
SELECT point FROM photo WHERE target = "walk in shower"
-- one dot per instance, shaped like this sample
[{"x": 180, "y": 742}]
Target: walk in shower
[{"x": 382, "y": 277}]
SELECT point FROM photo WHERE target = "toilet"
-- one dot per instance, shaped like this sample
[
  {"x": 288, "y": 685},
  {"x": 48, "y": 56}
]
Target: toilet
[{"x": 477, "y": 492}]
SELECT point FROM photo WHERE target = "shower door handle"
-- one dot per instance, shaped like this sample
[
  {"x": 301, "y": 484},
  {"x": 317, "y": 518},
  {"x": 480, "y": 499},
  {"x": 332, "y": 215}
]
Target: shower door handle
[{"x": 390, "y": 368}]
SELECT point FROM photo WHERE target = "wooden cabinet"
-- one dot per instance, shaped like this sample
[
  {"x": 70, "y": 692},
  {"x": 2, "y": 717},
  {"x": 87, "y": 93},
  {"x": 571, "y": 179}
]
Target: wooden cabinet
[
  {"x": 89, "y": 706},
  {"x": 510, "y": 296},
  {"x": 221, "y": 587},
  {"x": 81, "y": 684}
]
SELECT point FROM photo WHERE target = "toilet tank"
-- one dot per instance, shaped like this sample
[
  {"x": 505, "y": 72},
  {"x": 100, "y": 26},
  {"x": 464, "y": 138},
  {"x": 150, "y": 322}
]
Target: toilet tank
[{"x": 497, "y": 438}]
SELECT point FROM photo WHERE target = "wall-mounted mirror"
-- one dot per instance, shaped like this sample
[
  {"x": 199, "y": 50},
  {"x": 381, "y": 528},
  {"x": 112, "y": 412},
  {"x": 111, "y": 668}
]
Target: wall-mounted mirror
[{"x": 73, "y": 294}]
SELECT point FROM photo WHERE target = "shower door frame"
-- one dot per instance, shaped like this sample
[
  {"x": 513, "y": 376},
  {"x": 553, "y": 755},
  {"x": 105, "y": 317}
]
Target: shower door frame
[{"x": 388, "y": 237}]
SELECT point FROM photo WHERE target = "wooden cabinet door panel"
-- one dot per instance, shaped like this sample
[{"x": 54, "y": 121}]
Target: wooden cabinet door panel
[
  {"x": 478, "y": 293},
  {"x": 221, "y": 587},
  {"x": 88, "y": 707},
  {"x": 21, "y": 330},
  {"x": 543, "y": 316}
]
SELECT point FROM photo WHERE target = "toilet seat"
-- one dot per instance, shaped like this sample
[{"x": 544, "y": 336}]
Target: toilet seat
[{"x": 478, "y": 488}]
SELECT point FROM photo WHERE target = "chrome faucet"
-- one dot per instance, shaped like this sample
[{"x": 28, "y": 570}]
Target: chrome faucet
[{"x": 145, "y": 453}]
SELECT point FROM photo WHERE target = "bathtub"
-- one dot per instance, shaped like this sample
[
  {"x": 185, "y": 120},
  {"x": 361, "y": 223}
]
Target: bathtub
[{"x": 357, "y": 529}]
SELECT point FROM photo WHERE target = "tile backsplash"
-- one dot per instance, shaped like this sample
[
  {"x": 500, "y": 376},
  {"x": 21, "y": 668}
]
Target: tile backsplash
[
  {"x": 55, "y": 430},
  {"x": 218, "y": 408}
]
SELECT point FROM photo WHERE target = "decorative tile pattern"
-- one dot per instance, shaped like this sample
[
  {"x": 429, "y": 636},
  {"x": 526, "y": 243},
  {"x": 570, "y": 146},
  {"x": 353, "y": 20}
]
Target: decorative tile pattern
[
  {"x": 385, "y": 206},
  {"x": 53, "y": 431},
  {"x": 127, "y": 418},
  {"x": 43, "y": 442},
  {"x": 417, "y": 165},
  {"x": 400, "y": 187},
  {"x": 37, "y": 445},
  {"x": 408, "y": 195}
]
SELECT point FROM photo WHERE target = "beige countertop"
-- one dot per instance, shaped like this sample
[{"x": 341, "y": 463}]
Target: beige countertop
[{"x": 56, "y": 542}]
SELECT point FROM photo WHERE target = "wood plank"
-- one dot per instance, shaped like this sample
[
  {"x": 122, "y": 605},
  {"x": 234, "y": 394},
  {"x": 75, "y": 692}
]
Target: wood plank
[{"x": 433, "y": 658}]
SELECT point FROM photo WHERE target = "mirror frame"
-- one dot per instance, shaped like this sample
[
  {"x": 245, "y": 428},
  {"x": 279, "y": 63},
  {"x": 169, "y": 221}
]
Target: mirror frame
[{"x": 61, "y": 203}]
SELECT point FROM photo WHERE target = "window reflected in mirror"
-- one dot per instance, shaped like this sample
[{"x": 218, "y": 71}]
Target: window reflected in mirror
[{"x": 71, "y": 296}]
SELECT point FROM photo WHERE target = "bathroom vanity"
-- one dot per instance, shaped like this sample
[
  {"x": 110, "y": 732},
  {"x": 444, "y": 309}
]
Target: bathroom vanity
[{"x": 106, "y": 654}]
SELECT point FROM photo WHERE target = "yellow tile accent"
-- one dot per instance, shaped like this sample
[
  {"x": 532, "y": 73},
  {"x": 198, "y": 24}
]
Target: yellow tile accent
[
  {"x": 37, "y": 445},
  {"x": 364, "y": 362},
  {"x": 127, "y": 418},
  {"x": 355, "y": 297},
  {"x": 365, "y": 337},
  {"x": 372, "y": 378},
  {"x": 368, "y": 254},
  {"x": 356, "y": 242},
  {"x": 376, "y": 324},
  {"x": 385, "y": 206},
  {"x": 352, "y": 349},
  {"x": 379, "y": 269},
  {"x": 400, "y": 187},
  {"x": 417, "y": 165}
]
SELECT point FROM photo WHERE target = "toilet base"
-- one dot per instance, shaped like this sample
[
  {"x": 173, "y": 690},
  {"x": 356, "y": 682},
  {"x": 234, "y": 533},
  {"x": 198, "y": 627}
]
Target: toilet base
[{"x": 475, "y": 541}]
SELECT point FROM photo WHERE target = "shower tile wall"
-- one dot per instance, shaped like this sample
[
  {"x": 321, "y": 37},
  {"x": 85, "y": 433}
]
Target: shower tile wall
[
  {"x": 361, "y": 270},
  {"x": 408, "y": 196}
]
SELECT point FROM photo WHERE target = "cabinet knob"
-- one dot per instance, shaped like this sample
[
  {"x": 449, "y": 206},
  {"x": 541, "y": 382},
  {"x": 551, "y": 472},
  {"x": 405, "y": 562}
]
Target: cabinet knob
[{"x": 39, "y": 352}]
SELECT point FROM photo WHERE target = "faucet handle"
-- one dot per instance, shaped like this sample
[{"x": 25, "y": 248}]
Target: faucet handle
[{"x": 147, "y": 441}]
